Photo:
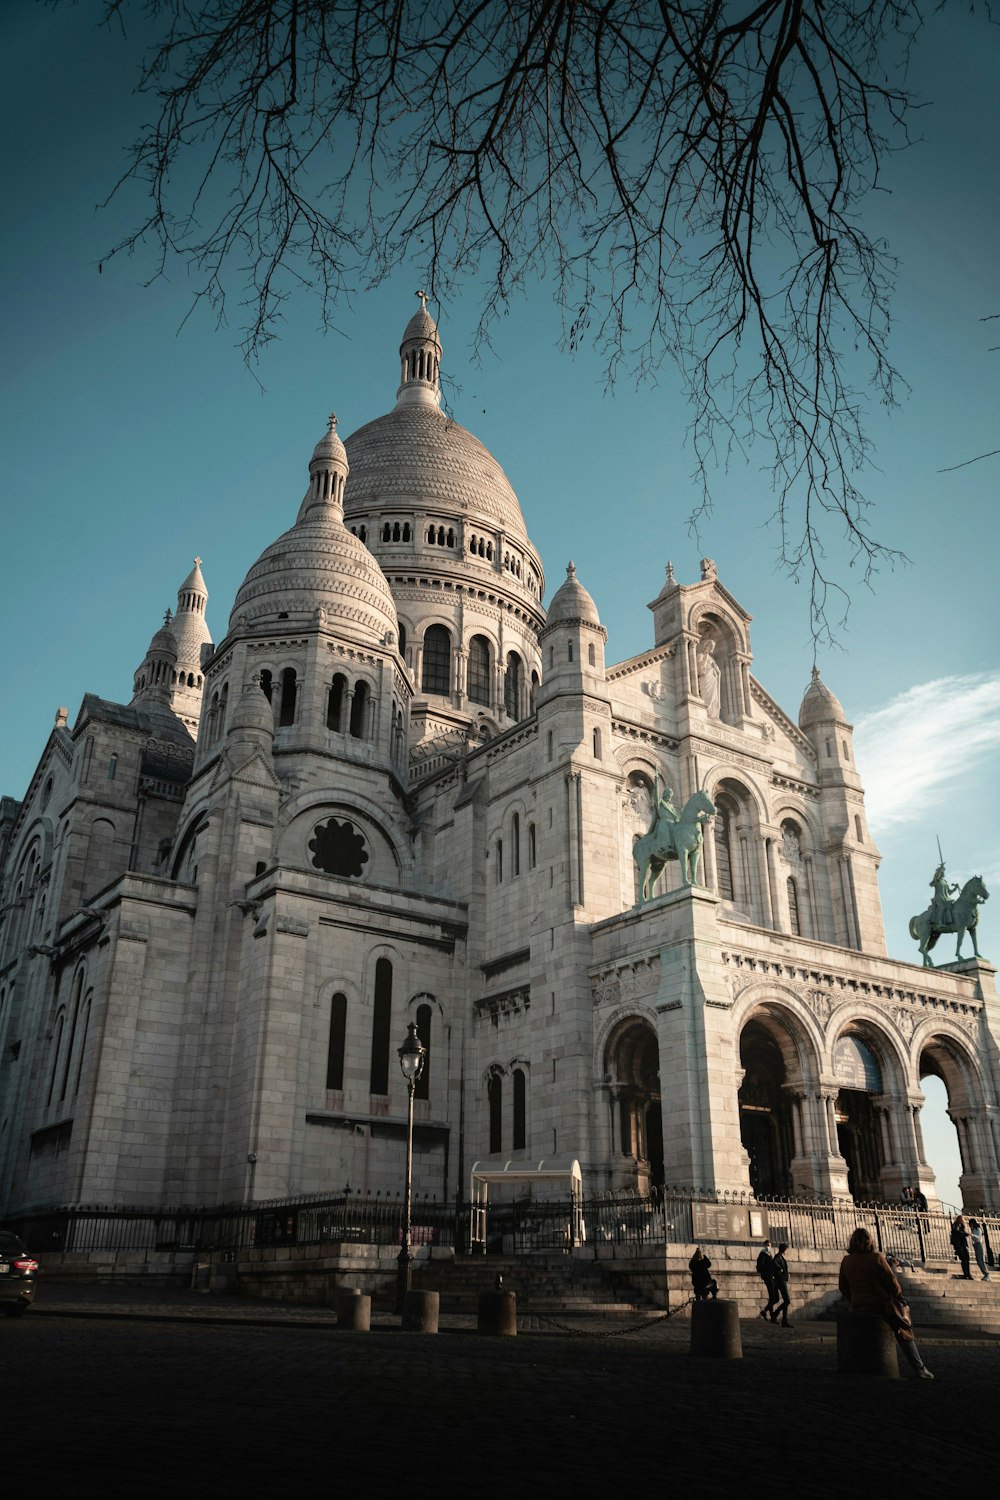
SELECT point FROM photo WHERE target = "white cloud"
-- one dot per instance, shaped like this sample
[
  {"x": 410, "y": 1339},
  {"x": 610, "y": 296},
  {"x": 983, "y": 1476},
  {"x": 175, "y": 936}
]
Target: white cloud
[{"x": 928, "y": 741}]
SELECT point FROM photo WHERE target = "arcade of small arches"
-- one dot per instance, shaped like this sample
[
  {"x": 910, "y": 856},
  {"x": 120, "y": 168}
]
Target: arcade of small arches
[
  {"x": 159, "y": 672},
  {"x": 478, "y": 673},
  {"x": 350, "y": 706},
  {"x": 506, "y": 1092}
]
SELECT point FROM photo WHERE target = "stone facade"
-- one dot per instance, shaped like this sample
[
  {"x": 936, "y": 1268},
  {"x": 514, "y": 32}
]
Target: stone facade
[{"x": 400, "y": 789}]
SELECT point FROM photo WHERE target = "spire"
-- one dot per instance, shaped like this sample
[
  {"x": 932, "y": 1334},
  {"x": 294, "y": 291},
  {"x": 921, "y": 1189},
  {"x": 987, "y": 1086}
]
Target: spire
[
  {"x": 328, "y": 470},
  {"x": 155, "y": 677},
  {"x": 192, "y": 596},
  {"x": 420, "y": 360}
]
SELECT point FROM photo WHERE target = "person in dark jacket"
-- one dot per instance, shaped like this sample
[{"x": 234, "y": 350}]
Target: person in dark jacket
[
  {"x": 960, "y": 1245},
  {"x": 765, "y": 1270},
  {"x": 702, "y": 1281},
  {"x": 781, "y": 1285},
  {"x": 868, "y": 1285}
]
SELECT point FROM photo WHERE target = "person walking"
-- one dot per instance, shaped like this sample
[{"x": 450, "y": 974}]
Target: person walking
[
  {"x": 867, "y": 1283},
  {"x": 702, "y": 1280},
  {"x": 765, "y": 1270},
  {"x": 978, "y": 1248},
  {"x": 960, "y": 1245},
  {"x": 781, "y": 1285}
]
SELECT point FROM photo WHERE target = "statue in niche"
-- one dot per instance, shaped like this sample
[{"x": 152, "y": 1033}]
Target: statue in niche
[
  {"x": 709, "y": 678},
  {"x": 951, "y": 910},
  {"x": 791, "y": 848}
]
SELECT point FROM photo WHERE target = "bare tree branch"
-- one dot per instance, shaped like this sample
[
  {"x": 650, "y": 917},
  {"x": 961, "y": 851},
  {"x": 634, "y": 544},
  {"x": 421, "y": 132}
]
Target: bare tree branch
[{"x": 688, "y": 173}]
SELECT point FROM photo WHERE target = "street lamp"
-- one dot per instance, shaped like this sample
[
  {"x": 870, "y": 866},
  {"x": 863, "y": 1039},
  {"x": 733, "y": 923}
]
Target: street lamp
[{"x": 412, "y": 1055}]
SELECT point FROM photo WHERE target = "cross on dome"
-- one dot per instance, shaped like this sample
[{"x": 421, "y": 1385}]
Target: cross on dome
[
  {"x": 423, "y": 299},
  {"x": 332, "y": 421}
]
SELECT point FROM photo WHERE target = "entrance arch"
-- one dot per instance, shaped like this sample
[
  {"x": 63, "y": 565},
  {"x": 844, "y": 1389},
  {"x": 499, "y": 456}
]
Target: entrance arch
[
  {"x": 766, "y": 1127},
  {"x": 943, "y": 1057},
  {"x": 632, "y": 1064}
]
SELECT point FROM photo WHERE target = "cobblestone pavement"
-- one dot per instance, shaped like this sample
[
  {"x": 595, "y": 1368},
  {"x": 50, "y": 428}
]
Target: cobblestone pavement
[{"x": 118, "y": 1391}]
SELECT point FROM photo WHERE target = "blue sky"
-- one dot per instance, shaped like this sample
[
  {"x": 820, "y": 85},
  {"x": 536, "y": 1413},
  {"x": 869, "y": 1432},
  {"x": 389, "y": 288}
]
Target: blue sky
[{"x": 130, "y": 444}]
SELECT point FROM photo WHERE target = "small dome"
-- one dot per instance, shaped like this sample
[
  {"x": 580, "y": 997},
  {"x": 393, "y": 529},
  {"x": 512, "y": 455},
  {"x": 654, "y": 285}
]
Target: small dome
[
  {"x": 819, "y": 705},
  {"x": 571, "y": 603},
  {"x": 164, "y": 642},
  {"x": 253, "y": 714},
  {"x": 330, "y": 448},
  {"x": 421, "y": 326},
  {"x": 319, "y": 565}
]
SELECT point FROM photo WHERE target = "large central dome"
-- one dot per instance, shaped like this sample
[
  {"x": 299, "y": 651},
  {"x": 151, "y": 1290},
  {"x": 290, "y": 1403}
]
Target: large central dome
[{"x": 417, "y": 455}]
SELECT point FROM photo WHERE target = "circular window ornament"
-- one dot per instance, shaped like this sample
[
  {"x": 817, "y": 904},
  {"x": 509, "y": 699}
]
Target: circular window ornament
[{"x": 338, "y": 848}]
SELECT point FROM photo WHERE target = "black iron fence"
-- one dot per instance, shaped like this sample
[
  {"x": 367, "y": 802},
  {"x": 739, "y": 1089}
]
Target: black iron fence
[{"x": 633, "y": 1221}]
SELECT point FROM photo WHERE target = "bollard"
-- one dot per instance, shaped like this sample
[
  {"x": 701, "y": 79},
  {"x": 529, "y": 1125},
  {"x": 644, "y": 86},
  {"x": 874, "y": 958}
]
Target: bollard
[
  {"x": 354, "y": 1310},
  {"x": 497, "y": 1313},
  {"x": 715, "y": 1330},
  {"x": 866, "y": 1345},
  {"x": 420, "y": 1312}
]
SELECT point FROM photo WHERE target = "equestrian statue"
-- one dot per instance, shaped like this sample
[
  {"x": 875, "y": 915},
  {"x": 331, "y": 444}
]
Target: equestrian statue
[
  {"x": 672, "y": 835},
  {"x": 951, "y": 910}
]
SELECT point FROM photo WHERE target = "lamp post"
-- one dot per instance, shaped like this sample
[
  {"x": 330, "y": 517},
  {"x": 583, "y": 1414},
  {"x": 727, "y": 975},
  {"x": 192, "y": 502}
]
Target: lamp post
[{"x": 411, "y": 1060}]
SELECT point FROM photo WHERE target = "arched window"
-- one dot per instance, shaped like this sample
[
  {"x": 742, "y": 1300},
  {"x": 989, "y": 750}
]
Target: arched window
[
  {"x": 549, "y": 743},
  {"x": 512, "y": 685},
  {"x": 597, "y": 744},
  {"x": 494, "y": 1097},
  {"x": 112, "y": 767},
  {"x": 479, "y": 670},
  {"x": 266, "y": 684},
  {"x": 381, "y": 1027},
  {"x": 56, "y": 1048},
  {"x": 499, "y": 861},
  {"x": 359, "y": 709},
  {"x": 437, "y": 661},
  {"x": 793, "y": 906},
  {"x": 386, "y": 532},
  {"x": 531, "y": 846},
  {"x": 84, "y": 1030},
  {"x": 423, "y": 1020},
  {"x": 335, "y": 702},
  {"x": 74, "y": 1021},
  {"x": 289, "y": 693},
  {"x": 726, "y": 813},
  {"x": 520, "y": 1110},
  {"x": 569, "y": 650},
  {"x": 591, "y": 655},
  {"x": 337, "y": 1042},
  {"x": 402, "y": 640},
  {"x": 857, "y": 829},
  {"x": 515, "y": 845},
  {"x": 535, "y": 685}
]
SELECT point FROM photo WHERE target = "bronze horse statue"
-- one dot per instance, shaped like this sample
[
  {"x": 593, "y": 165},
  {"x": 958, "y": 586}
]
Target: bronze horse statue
[
  {"x": 964, "y": 919},
  {"x": 666, "y": 839}
]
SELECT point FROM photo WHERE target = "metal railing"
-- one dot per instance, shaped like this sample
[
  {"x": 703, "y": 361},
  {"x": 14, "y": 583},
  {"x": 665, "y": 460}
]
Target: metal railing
[{"x": 667, "y": 1216}]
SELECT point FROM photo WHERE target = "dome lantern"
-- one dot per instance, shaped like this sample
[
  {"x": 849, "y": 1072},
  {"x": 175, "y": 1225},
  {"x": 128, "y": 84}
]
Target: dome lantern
[{"x": 420, "y": 360}]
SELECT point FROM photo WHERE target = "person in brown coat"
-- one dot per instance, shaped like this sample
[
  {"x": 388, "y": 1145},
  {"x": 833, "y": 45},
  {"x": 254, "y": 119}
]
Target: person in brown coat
[{"x": 868, "y": 1284}]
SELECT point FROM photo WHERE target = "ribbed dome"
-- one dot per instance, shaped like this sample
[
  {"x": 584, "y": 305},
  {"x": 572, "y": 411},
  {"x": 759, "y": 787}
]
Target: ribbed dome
[
  {"x": 819, "y": 705},
  {"x": 329, "y": 448},
  {"x": 421, "y": 326},
  {"x": 571, "y": 602},
  {"x": 417, "y": 455},
  {"x": 319, "y": 564}
]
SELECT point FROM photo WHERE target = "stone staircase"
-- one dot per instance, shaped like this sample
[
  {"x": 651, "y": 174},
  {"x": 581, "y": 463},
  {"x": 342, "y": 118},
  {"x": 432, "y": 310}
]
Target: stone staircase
[
  {"x": 545, "y": 1285},
  {"x": 632, "y": 1284}
]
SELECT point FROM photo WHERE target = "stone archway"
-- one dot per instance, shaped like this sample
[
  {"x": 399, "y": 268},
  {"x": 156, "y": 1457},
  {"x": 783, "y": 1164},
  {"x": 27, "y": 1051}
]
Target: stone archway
[
  {"x": 944, "y": 1057},
  {"x": 766, "y": 1128},
  {"x": 632, "y": 1064},
  {"x": 859, "y": 1137}
]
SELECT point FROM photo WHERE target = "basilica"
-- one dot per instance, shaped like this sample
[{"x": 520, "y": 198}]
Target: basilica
[{"x": 401, "y": 789}]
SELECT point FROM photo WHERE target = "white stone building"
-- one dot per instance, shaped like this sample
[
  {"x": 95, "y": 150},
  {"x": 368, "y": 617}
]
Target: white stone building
[{"x": 401, "y": 789}]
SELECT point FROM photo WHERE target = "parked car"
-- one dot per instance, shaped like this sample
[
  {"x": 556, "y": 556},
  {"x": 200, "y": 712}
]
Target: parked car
[{"x": 18, "y": 1273}]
